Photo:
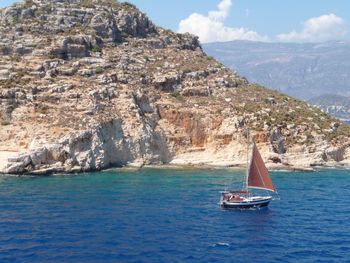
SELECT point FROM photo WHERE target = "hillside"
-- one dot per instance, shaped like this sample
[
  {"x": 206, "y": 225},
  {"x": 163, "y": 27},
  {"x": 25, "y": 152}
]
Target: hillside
[
  {"x": 87, "y": 85},
  {"x": 300, "y": 70},
  {"x": 335, "y": 105}
]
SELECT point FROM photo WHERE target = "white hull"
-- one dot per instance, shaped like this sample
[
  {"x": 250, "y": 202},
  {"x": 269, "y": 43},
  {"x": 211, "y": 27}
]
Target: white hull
[{"x": 247, "y": 202}]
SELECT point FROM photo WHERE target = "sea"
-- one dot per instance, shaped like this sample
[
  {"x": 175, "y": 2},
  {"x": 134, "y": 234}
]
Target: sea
[{"x": 172, "y": 215}]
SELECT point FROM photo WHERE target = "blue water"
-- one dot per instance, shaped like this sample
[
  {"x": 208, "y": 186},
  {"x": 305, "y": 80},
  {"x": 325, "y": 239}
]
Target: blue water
[{"x": 172, "y": 216}]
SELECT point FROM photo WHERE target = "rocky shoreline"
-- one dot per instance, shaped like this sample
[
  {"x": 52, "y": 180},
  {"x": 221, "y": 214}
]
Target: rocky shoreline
[
  {"x": 52, "y": 172},
  {"x": 137, "y": 165}
]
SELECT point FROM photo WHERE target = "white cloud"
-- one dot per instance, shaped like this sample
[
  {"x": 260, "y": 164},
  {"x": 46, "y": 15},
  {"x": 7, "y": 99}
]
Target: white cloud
[
  {"x": 223, "y": 12},
  {"x": 212, "y": 27},
  {"x": 318, "y": 29}
]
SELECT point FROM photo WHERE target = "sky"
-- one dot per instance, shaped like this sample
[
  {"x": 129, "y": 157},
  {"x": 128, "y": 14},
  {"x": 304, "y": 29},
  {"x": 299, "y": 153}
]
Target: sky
[{"x": 260, "y": 20}]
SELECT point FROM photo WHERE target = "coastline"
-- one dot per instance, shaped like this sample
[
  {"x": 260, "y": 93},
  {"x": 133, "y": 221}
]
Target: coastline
[
  {"x": 41, "y": 166},
  {"x": 4, "y": 155},
  {"x": 282, "y": 168},
  {"x": 133, "y": 167}
]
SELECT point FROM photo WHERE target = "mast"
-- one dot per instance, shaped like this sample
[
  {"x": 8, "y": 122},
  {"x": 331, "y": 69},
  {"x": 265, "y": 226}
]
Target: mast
[{"x": 247, "y": 167}]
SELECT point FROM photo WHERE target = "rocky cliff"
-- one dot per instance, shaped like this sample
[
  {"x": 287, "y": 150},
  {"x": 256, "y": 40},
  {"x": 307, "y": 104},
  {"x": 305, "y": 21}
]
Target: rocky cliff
[{"x": 86, "y": 85}]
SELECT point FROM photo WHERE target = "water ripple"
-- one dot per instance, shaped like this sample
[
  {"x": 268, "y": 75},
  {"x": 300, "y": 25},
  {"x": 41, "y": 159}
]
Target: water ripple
[{"x": 171, "y": 216}]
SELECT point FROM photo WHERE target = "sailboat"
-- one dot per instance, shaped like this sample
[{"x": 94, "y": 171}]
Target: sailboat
[{"x": 257, "y": 177}]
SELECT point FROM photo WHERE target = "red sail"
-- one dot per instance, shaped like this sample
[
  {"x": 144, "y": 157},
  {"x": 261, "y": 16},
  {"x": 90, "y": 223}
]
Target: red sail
[{"x": 258, "y": 176}]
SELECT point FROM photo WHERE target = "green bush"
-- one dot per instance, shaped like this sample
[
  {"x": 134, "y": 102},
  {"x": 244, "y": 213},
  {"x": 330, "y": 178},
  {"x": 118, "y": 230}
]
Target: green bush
[
  {"x": 96, "y": 48},
  {"x": 128, "y": 5},
  {"x": 178, "y": 96},
  {"x": 15, "y": 20},
  {"x": 43, "y": 109},
  {"x": 28, "y": 3},
  {"x": 99, "y": 70},
  {"x": 87, "y": 4}
]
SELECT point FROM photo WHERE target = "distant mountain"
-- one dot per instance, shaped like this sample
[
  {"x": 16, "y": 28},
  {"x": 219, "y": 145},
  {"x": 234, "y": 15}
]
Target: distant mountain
[
  {"x": 335, "y": 105},
  {"x": 301, "y": 70}
]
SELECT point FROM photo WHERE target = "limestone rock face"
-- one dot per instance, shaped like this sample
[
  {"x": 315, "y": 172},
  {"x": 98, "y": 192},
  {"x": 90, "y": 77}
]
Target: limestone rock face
[
  {"x": 277, "y": 141},
  {"x": 134, "y": 24},
  {"x": 87, "y": 84},
  {"x": 75, "y": 47},
  {"x": 95, "y": 149}
]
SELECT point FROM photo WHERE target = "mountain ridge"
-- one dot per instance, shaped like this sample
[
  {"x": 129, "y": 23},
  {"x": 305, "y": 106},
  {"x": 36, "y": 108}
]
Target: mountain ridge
[{"x": 303, "y": 70}]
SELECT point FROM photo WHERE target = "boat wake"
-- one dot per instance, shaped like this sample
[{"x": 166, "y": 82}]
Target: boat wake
[{"x": 221, "y": 244}]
